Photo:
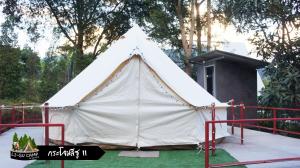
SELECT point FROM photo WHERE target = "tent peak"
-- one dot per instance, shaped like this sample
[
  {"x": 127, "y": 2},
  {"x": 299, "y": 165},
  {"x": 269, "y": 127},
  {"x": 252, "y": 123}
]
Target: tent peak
[{"x": 135, "y": 31}]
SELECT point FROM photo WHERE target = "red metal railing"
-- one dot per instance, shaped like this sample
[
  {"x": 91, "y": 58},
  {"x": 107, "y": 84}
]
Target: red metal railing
[
  {"x": 46, "y": 126},
  {"x": 241, "y": 121},
  {"x": 18, "y": 114},
  {"x": 275, "y": 111},
  {"x": 18, "y": 119}
]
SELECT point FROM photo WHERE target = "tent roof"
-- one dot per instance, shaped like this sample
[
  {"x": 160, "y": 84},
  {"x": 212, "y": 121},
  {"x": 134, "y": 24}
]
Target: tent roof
[{"x": 134, "y": 42}]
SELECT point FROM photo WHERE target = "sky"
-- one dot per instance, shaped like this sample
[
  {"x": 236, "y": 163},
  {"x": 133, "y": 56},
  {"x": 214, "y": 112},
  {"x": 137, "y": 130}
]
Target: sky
[{"x": 232, "y": 41}]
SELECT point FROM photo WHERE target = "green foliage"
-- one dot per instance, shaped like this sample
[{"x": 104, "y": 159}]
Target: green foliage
[
  {"x": 283, "y": 90},
  {"x": 15, "y": 137},
  {"x": 53, "y": 76},
  {"x": 85, "y": 23},
  {"x": 31, "y": 68},
  {"x": 8, "y": 36},
  {"x": 32, "y": 142},
  {"x": 22, "y": 144},
  {"x": 24, "y": 141},
  {"x": 19, "y": 75},
  {"x": 276, "y": 36},
  {"x": 162, "y": 22},
  {"x": 10, "y": 72}
]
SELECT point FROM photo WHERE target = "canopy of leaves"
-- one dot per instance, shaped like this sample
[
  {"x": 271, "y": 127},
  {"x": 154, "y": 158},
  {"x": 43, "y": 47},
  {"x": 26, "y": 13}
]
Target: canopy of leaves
[
  {"x": 10, "y": 73},
  {"x": 85, "y": 23},
  {"x": 275, "y": 25},
  {"x": 283, "y": 90}
]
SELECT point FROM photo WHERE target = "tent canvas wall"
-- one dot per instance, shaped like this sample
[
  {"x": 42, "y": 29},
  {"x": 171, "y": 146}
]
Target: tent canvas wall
[{"x": 134, "y": 95}]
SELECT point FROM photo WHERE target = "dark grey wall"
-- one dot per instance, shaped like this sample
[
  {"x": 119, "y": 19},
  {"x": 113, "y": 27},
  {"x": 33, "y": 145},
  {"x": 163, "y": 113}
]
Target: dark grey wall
[{"x": 233, "y": 80}]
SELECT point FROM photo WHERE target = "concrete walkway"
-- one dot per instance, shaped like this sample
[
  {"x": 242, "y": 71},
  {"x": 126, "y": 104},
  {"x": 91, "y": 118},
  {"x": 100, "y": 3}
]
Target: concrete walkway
[
  {"x": 261, "y": 146},
  {"x": 6, "y": 142}
]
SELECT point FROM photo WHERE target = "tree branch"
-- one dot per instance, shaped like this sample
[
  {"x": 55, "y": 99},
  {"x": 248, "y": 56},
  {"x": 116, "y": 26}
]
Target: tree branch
[
  {"x": 52, "y": 10},
  {"x": 69, "y": 20},
  {"x": 98, "y": 41},
  {"x": 181, "y": 25},
  {"x": 192, "y": 27},
  {"x": 93, "y": 11}
]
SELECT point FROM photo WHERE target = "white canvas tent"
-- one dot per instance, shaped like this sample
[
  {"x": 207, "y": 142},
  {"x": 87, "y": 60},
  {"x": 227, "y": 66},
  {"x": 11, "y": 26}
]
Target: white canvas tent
[{"x": 134, "y": 95}]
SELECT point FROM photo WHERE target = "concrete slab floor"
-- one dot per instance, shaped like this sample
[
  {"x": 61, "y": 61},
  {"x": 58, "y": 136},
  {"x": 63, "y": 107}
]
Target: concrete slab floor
[
  {"x": 261, "y": 146},
  {"x": 6, "y": 141},
  {"x": 141, "y": 154}
]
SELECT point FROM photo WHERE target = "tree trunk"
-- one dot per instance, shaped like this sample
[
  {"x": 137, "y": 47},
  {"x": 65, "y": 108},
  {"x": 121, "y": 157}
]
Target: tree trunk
[
  {"x": 198, "y": 29},
  {"x": 208, "y": 25},
  {"x": 80, "y": 27},
  {"x": 187, "y": 45}
]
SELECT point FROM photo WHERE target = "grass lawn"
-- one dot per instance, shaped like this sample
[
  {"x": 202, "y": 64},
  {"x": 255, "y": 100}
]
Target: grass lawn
[{"x": 167, "y": 159}]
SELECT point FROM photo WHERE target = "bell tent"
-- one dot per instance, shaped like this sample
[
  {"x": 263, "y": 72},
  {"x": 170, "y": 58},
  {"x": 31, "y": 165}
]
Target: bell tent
[{"x": 133, "y": 94}]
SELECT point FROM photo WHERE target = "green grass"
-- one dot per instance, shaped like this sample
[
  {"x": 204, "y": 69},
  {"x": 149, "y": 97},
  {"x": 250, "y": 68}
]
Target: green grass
[{"x": 167, "y": 159}]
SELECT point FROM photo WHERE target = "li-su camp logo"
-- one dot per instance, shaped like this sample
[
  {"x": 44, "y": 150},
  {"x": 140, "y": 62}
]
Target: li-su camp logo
[{"x": 24, "y": 148}]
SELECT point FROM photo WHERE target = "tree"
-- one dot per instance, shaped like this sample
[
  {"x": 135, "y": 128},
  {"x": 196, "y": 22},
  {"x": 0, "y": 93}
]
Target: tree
[
  {"x": 275, "y": 25},
  {"x": 8, "y": 36},
  {"x": 10, "y": 73},
  {"x": 88, "y": 25},
  {"x": 186, "y": 43},
  {"x": 15, "y": 137},
  {"x": 85, "y": 23},
  {"x": 177, "y": 23},
  {"x": 30, "y": 74},
  {"x": 53, "y": 76},
  {"x": 172, "y": 23},
  {"x": 283, "y": 90}
]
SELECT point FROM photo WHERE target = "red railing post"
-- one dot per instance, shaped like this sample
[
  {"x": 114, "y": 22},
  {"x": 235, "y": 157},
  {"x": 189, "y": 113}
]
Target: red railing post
[
  {"x": 213, "y": 132},
  {"x": 23, "y": 114},
  {"x": 239, "y": 121},
  {"x": 242, "y": 107},
  {"x": 13, "y": 115},
  {"x": 42, "y": 125},
  {"x": 206, "y": 144},
  {"x": 232, "y": 116},
  {"x": 46, "y": 110},
  {"x": 62, "y": 142},
  {"x": 0, "y": 119},
  {"x": 274, "y": 121}
]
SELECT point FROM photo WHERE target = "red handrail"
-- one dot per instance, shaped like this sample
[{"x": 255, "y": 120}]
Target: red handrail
[
  {"x": 207, "y": 165},
  {"x": 273, "y": 108},
  {"x": 46, "y": 126}
]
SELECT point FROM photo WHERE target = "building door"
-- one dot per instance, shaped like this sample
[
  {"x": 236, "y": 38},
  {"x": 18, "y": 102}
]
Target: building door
[{"x": 209, "y": 79}]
